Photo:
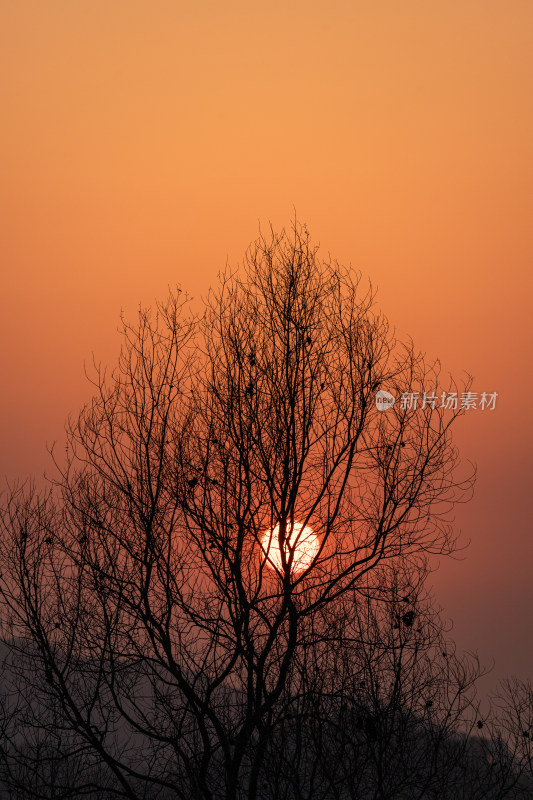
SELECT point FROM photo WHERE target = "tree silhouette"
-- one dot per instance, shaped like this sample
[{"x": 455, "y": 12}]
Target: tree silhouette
[{"x": 230, "y": 502}]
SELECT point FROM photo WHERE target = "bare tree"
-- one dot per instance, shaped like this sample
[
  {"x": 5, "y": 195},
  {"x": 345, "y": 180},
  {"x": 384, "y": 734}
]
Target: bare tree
[
  {"x": 512, "y": 728},
  {"x": 232, "y": 493}
]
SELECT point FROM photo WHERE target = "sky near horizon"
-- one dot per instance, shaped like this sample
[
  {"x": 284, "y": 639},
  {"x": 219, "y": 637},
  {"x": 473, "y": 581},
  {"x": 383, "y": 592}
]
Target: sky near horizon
[{"x": 143, "y": 143}]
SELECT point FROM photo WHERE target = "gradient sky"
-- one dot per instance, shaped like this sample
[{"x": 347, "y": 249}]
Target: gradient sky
[{"x": 142, "y": 143}]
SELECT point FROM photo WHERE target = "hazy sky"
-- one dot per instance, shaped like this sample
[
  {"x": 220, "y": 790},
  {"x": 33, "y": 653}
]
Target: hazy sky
[{"x": 142, "y": 143}]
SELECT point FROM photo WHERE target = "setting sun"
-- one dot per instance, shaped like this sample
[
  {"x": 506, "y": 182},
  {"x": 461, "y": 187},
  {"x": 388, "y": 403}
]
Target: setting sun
[{"x": 302, "y": 543}]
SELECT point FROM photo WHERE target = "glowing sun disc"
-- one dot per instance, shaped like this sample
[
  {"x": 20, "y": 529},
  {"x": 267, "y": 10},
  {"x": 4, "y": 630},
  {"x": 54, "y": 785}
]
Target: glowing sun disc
[{"x": 303, "y": 542}]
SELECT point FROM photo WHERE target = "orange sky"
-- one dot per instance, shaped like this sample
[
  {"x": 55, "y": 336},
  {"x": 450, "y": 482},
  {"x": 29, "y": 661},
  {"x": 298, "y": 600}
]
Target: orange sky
[{"x": 143, "y": 142}]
